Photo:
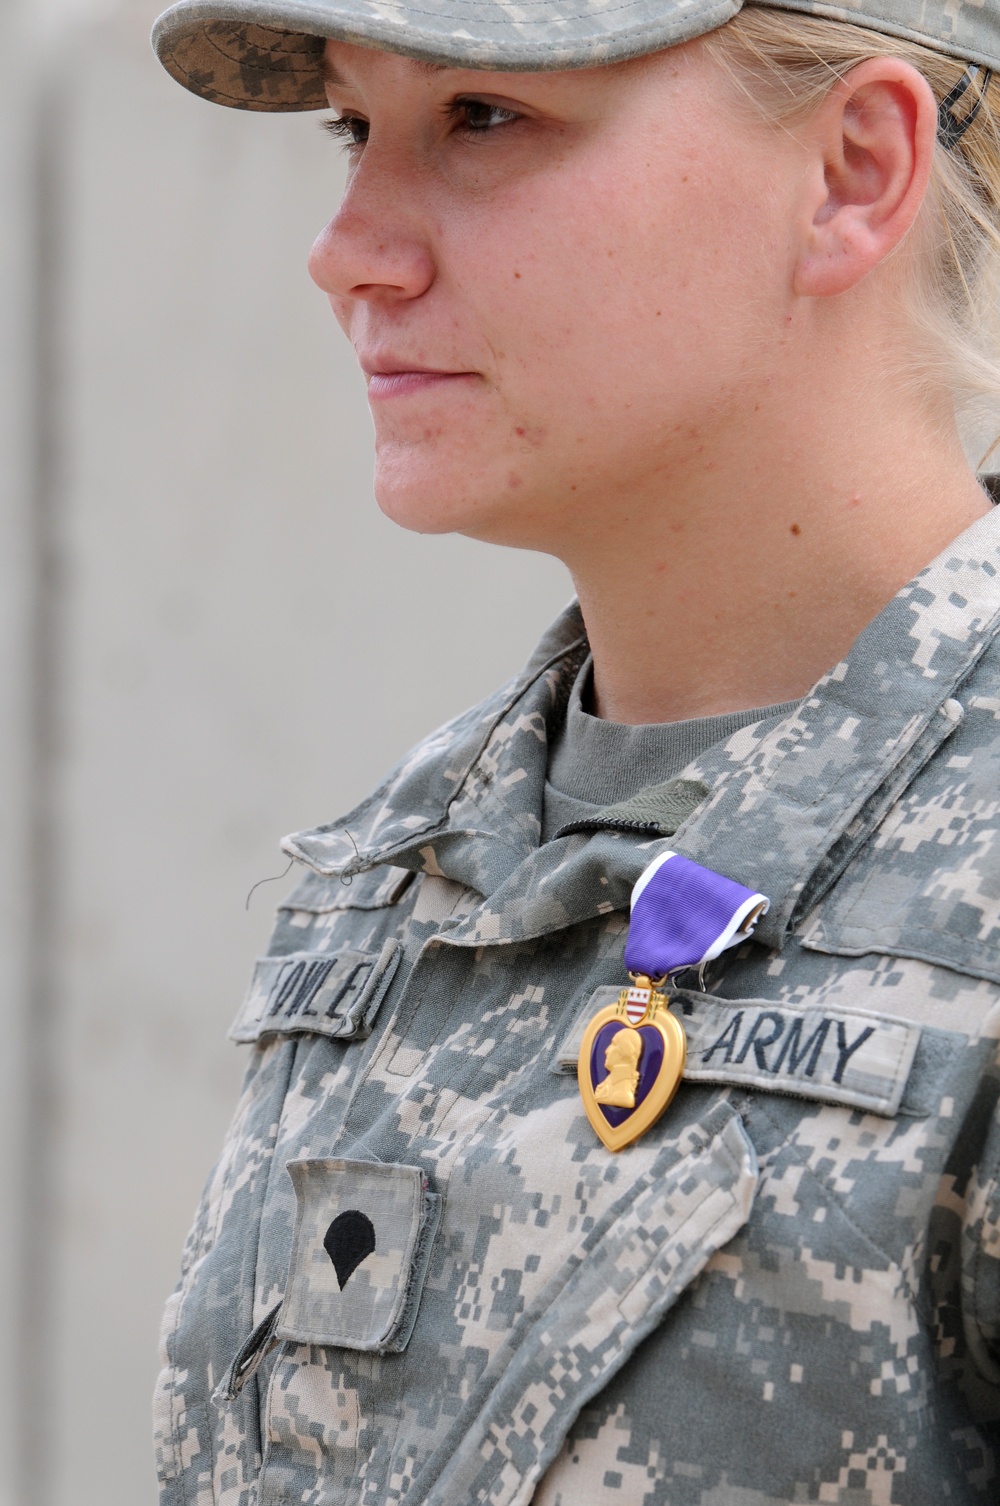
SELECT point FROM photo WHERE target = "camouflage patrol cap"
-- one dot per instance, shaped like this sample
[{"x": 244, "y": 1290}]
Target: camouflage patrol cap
[{"x": 266, "y": 54}]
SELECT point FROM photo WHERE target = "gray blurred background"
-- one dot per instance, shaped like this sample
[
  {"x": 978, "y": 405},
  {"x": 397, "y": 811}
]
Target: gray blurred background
[{"x": 208, "y": 637}]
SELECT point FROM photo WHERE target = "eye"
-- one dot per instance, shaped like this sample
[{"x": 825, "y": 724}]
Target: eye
[
  {"x": 351, "y": 129},
  {"x": 478, "y": 117}
]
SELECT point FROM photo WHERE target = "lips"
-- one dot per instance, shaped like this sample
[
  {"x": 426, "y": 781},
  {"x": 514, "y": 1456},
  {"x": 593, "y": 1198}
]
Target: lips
[
  {"x": 390, "y": 365},
  {"x": 402, "y": 380}
]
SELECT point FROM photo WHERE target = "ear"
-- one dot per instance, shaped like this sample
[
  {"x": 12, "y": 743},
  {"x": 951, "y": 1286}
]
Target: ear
[{"x": 872, "y": 141}]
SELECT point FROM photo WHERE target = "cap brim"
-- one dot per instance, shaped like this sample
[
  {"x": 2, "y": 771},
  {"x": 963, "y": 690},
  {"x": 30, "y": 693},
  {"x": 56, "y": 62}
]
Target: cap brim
[{"x": 267, "y": 56}]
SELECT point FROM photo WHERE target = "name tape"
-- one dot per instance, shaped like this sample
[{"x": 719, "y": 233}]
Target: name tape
[
  {"x": 319, "y": 993},
  {"x": 846, "y": 1056}
]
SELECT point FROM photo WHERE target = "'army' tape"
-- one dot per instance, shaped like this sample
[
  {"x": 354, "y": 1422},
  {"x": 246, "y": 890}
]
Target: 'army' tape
[{"x": 851, "y": 1057}]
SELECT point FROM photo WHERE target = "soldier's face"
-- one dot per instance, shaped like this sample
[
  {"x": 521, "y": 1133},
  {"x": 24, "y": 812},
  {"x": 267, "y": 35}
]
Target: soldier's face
[{"x": 559, "y": 285}]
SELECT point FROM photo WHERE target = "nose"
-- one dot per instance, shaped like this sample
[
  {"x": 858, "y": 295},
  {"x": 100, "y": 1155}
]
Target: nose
[{"x": 375, "y": 248}]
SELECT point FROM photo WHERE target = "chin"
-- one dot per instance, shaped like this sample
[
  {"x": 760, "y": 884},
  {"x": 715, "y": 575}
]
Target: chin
[
  {"x": 416, "y": 514},
  {"x": 431, "y": 498}
]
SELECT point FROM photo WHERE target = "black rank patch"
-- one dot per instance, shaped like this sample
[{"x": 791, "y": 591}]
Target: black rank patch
[{"x": 349, "y": 1240}]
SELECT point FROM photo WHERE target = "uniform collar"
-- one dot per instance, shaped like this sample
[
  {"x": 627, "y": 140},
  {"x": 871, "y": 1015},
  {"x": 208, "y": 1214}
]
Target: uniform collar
[
  {"x": 467, "y": 801},
  {"x": 786, "y": 809},
  {"x": 787, "y": 819}
]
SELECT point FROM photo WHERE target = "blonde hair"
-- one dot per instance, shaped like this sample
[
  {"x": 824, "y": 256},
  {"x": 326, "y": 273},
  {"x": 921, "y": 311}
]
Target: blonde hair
[{"x": 785, "y": 63}]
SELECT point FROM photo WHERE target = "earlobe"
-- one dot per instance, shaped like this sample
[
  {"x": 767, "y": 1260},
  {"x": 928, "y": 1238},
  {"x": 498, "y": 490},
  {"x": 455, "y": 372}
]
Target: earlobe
[{"x": 874, "y": 139}]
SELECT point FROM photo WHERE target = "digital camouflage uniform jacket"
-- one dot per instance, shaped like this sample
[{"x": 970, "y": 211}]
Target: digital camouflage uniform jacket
[{"x": 789, "y": 1290}]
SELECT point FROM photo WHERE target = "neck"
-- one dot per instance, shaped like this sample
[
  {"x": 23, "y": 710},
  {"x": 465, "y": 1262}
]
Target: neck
[{"x": 738, "y": 582}]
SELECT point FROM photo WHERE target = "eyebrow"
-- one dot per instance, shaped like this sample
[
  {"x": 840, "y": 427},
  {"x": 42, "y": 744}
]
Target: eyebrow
[{"x": 333, "y": 76}]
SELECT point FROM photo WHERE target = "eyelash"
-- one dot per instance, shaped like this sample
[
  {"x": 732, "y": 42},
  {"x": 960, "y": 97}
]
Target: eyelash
[{"x": 343, "y": 127}]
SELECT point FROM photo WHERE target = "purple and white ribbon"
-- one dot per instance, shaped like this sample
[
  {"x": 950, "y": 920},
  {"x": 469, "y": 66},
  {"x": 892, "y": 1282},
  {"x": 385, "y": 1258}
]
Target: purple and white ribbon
[{"x": 683, "y": 915}]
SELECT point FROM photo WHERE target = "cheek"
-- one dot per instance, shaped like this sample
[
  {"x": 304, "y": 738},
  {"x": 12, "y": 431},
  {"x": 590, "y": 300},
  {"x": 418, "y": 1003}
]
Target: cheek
[
  {"x": 618, "y": 320},
  {"x": 616, "y": 306}
]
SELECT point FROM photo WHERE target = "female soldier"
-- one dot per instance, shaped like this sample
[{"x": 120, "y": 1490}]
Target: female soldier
[{"x": 690, "y": 300}]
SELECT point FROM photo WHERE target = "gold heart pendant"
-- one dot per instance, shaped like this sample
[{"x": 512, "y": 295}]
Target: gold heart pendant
[{"x": 630, "y": 1064}]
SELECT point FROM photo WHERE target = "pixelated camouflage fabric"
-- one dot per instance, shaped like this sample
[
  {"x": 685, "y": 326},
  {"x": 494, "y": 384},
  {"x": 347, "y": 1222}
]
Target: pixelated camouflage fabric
[
  {"x": 265, "y": 54},
  {"x": 782, "y": 1293}
]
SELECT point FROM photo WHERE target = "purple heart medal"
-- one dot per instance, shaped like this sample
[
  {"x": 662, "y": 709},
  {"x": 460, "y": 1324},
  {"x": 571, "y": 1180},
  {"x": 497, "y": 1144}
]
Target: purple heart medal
[{"x": 632, "y": 1055}]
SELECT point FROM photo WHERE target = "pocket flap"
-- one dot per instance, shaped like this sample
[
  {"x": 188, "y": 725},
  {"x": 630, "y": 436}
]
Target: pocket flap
[
  {"x": 320, "y": 993},
  {"x": 362, "y": 1242},
  {"x": 653, "y": 1245}
]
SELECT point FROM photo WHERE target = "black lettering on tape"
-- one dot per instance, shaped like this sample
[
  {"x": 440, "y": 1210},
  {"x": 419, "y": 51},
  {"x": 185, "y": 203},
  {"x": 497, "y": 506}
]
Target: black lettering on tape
[
  {"x": 727, "y": 1040},
  {"x": 845, "y": 1051},
  {"x": 346, "y": 985},
  {"x": 759, "y": 1042},
  {"x": 287, "y": 984},
  {"x": 812, "y": 1048}
]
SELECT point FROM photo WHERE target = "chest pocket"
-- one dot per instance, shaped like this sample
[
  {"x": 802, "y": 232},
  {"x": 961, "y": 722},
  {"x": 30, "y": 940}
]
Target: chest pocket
[
  {"x": 336, "y": 994},
  {"x": 629, "y": 1270}
]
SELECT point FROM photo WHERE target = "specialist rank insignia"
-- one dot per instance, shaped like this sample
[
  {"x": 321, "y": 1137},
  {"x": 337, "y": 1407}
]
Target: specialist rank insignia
[{"x": 633, "y": 1052}]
